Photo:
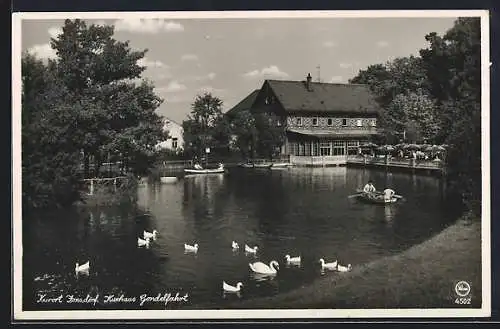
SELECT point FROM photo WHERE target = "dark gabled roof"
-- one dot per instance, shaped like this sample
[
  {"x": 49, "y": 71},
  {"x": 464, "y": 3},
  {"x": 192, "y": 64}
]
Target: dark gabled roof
[
  {"x": 324, "y": 97},
  {"x": 245, "y": 104}
]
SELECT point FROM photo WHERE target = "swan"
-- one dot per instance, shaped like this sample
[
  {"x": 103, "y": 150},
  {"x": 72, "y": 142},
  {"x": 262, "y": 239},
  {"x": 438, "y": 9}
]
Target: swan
[
  {"x": 229, "y": 288},
  {"x": 191, "y": 248},
  {"x": 142, "y": 243},
  {"x": 84, "y": 268},
  {"x": 262, "y": 268},
  {"x": 329, "y": 266},
  {"x": 148, "y": 235},
  {"x": 251, "y": 250},
  {"x": 292, "y": 260},
  {"x": 235, "y": 245},
  {"x": 341, "y": 268}
]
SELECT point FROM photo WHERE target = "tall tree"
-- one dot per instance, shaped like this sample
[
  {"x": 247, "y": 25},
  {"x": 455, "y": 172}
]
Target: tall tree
[
  {"x": 270, "y": 134},
  {"x": 245, "y": 133}
]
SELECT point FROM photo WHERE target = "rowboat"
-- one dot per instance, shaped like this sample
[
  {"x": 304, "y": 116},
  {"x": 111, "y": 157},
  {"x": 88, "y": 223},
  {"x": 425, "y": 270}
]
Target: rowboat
[
  {"x": 217, "y": 170},
  {"x": 255, "y": 165},
  {"x": 280, "y": 165},
  {"x": 375, "y": 197}
]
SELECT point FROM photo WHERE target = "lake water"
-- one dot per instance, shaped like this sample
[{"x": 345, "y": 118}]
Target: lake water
[{"x": 298, "y": 211}]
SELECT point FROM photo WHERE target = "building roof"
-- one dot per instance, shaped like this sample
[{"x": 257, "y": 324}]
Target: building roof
[
  {"x": 245, "y": 104},
  {"x": 294, "y": 96}
]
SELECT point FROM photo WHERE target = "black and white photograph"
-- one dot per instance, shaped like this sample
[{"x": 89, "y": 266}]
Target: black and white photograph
[{"x": 251, "y": 165}]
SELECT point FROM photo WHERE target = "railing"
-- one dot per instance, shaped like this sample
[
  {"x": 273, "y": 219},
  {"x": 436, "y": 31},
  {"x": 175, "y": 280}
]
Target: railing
[
  {"x": 318, "y": 161},
  {"x": 396, "y": 162}
]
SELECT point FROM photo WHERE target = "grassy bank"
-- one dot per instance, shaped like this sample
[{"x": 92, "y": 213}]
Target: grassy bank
[{"x": 423, "y": 276}]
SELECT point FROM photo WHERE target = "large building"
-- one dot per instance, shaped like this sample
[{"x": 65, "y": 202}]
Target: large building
[
  {"x": 175, "y": 142},
  {"x": 324, "y": 122}
]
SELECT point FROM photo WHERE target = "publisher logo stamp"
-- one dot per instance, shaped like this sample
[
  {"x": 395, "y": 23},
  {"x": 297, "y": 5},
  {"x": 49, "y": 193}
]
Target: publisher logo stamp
[{"x": 462, "y": 288}]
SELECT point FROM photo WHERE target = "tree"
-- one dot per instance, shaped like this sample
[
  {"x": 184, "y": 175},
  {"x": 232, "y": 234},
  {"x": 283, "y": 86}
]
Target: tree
[
  {"x": 205, "y": 126},
  {"x": 270, "y": 134},
  {"x": 245, "y": 133}
]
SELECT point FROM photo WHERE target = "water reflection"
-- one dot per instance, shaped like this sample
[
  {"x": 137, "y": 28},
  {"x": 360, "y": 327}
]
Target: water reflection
[{"x": 301, "y": 211}]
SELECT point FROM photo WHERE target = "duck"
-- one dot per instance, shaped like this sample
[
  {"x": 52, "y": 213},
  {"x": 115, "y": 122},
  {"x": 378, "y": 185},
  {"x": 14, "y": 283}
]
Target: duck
[
  {"x": 84, "y": 268},
  {"x": 150, "y": 235},
  {"x": 190, "y": 248},
  {"x": 261, "y": 268},
  {"x": 143, "y": 242},
  {"x": 328, "y": 266},
  {"x": 234, "y": 245},
  {"x": 341, "y": 268},
  {"x": 292, "y": 260},
  {"x": 229, "y": 288},
  {"x": 251, "y": 250}
]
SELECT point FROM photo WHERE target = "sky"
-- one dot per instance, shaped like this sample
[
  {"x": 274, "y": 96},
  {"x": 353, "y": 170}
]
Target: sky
[{"x": 231, "y": 57}]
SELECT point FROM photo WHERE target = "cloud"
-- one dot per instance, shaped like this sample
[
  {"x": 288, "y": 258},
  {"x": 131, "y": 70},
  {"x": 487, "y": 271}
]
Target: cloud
[
  {"x": 149, "y": 26},
  {"x": 329, "y": 44},
  {"x": 267, "y": 72},
  {"x": 54, "y": 31},
  {"x": 210, "y": 76},
  {"x": 336, "y": 79},
  {"x": 43, "y": 51},
  {"x": 345, "y": 65},
  {"x": 176, "y": 99},
  {"x": 189, "y": 57},
  {"x": 382, "y": 44},
  {"x": 151, "y": 63},
  {"x": 210, "y": 89},
  {"x": 172, "y": 87}
]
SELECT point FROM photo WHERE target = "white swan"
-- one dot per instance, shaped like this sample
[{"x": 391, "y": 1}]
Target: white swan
[
  {"x": 234, "y": 245},
  {"x": 142, "y": 243},
  {"x": 251, "y": 250},
  {"x": 84, "y": 268},
  {"x": 292, "y": 260},
  {"x": 341, "y": 268},
  {"x": 148, "y": 235},
  {"x": 328, "y": 266},
  {"x": 190, "y": 248},
  {"x": 229, "y": 288},
  {"x": 262, "y": 268}
]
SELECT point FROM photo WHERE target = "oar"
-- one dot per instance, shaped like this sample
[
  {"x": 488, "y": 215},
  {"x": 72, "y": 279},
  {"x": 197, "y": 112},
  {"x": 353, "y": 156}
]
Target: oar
[{"x": 355, "y": 195}]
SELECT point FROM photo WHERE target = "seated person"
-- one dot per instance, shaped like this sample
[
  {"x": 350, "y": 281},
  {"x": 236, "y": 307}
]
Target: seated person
[
  {"x": 388, "y": 194},
  {"x": 369, "y": 188},
  {"x": 198, "y": 166}
]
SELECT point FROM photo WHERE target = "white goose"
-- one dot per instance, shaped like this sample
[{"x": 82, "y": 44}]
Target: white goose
[
  {"x": 261, "y": 268},
  {"x": 190, "y": 248},
  {"x": 292, "y": 260},
  {"x": 251, "y": 250},
  {"x": 229, "y": 288},
  {"x": 234, "y": 245},
  {"x": 84, "y": 268},
  {"x": 341, "y": 268},
  {"x": 143, "y": 242},
  {"x": 148, "y": 235},
  {"x": 329, "y": 266}
]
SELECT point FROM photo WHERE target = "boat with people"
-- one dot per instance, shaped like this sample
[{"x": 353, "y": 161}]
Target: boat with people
[
  {"x": 280, "y": 165},
  {"x": 200, "y": 170},
  {"x": 375, "y": 197}
]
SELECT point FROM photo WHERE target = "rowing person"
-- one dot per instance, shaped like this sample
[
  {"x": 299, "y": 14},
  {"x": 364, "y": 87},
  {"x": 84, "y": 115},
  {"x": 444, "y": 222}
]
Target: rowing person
[
  {"x": 388, "y": 194},
  {"x": 369, "y": 188}
]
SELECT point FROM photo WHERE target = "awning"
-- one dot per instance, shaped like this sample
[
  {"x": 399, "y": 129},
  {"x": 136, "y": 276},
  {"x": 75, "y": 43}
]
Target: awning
[{"x": 353, "y": 133}]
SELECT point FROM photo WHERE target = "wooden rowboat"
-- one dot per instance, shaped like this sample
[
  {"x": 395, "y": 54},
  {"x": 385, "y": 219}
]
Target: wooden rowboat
[
  {"x": 218, "y": 170},
  {"x": 375, "y": 198}
]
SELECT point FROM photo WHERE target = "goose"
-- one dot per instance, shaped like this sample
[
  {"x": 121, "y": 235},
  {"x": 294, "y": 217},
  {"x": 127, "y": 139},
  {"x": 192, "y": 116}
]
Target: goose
[
  {"x": 142, "y": 243},
  {"x": 341, "y": 268},
  {"x": 235, "y": 245},
  {"x": 261, "y": 268},
  {"x": 229, "y": 288},
  {"x": 148, "y": 235},
  {"x": 292, "y": 260},
  {"x": 84, "y": 268},
  {"x": 191, "y": 248},
  {"x": 329, "y": 266},
  {"x": 251, "y": 250}
]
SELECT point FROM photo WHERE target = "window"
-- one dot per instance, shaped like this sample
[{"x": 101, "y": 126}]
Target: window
[
  {"x": 278, "y": 123},
  {"x": 174, "y": 143},
  {"x": 330, "y": 122},
  {"x": 344, "y": 122},
  {"x": 338, "y": 148},
  {"x": 298, "y": 121},
  {"x": 352, "y": 147},
  {"x": 315, "y": 121},
  {"x": 359, "y": 122},
  {"x": 373, "y": 123},
  {"x": 324, "y": 149},
  {"x": 315, "y": 149}
]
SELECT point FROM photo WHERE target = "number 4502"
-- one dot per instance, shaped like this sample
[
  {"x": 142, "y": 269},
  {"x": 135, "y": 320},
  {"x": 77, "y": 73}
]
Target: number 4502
[{"x": 463, "y": 301}]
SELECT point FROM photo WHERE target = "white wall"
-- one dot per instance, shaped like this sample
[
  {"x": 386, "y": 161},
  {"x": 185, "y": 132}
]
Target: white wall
[{"x": 175, "y": 132}]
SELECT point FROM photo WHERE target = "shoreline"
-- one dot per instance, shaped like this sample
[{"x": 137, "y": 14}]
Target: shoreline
[{"x": 423, "y": 276}]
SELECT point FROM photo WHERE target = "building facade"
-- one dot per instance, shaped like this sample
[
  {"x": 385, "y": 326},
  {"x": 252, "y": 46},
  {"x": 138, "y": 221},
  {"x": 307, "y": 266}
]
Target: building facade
[
  {"x": 175, "y": 142},
  {"x": 323, "y": 122}
]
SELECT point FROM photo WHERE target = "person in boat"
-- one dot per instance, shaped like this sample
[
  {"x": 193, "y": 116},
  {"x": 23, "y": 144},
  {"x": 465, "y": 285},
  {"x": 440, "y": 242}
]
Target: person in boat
[
  {"x": 198, "y": 166},
  {"x": 388, "y": 194},
  {"x": 369, "y": 188}
]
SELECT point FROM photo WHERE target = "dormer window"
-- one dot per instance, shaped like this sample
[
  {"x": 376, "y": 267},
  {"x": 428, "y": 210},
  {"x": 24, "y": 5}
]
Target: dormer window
[
  {"x": 330, "y": 121},
  {"x": 344, "y": 122},
  {"x": 298, "y": 121},
  {"x": 315, "y": 121}
]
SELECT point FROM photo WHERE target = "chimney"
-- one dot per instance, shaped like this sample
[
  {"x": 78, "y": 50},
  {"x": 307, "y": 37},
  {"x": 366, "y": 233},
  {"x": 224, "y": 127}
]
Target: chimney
[{"x": 308, "y": 81}]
